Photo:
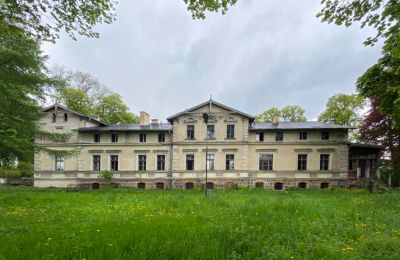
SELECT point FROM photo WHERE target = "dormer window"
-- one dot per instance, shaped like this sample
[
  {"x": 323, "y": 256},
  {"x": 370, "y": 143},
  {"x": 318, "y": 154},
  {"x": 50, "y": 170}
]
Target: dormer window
[
  {"x": 54, "y": 117},
  {"x": 65, "y": 117}
]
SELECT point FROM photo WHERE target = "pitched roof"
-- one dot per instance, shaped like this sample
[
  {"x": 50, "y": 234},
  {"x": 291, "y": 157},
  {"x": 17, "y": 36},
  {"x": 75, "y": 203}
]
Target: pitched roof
[
  {"x": 129, "y": 127},
  {"x": 212, "y": 103},
  {"x": 72, "y": 111},
  {"x": 296, "y": 125}
]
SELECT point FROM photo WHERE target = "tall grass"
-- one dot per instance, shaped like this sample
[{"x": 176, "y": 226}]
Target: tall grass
[{"x": 245, "y": 224}]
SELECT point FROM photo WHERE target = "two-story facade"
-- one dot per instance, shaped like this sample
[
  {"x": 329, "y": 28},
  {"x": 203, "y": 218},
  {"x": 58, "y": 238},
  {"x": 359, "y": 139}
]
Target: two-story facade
[{"x": 240, "y": 152}]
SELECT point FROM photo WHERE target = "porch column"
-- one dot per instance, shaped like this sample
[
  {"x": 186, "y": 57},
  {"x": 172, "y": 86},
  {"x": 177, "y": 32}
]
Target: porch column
[
  {"x": 358, "y": 172},
  {"x": 367, "y": 172}
]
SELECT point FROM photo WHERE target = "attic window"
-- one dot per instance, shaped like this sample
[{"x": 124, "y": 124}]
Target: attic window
[
  {"x": 65, "y": 117},
  {"x": 54, "y": 117}
]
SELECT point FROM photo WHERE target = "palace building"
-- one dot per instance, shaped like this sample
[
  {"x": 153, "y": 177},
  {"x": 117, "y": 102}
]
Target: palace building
[{"x": 232, "y": 147}]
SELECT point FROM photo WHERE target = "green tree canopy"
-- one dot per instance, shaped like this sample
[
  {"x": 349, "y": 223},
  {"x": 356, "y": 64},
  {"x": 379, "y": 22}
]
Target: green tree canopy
[
  {"x": 198, "y": 8},
  {"x": 343, "y": 109},
  {"x": 76, "y": 99},
  {"x": 112, "y": 110},
  {"x": 289, "y": 113},
  {"x": 268, "y": 115}
]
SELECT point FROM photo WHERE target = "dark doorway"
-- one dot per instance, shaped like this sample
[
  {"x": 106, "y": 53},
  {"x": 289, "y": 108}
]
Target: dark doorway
[
  {"x": 141, "y": 185},
  {"x": 278, "y": 186},
  {"x": 259, "y": 185},
  {"x": 189, "y": 185},
  {"x": 160, "y": 185},
  {"x": 324, "y": 185},
  {"x": 302, "y": 185},
  {"x": 210, "y": 186},
  {"x": 95, "y": 186}
]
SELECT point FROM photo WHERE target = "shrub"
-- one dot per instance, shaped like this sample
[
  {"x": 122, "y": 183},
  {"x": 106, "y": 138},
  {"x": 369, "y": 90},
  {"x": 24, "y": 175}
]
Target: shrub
[{"x": 106, "y": 175}]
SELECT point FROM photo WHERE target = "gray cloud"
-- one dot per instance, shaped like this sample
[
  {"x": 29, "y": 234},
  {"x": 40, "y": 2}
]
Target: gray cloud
[{"x": 260, "y": 54}]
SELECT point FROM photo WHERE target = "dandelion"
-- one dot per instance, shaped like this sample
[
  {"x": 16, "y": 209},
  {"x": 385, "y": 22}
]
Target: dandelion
[
  {"x": 49, "y": 239},
  {"x": 98, "y": 230}
]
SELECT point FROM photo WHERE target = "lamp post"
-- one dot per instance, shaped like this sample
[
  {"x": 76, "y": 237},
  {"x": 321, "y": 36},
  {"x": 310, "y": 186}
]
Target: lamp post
[{"x": 205, "y": 117}]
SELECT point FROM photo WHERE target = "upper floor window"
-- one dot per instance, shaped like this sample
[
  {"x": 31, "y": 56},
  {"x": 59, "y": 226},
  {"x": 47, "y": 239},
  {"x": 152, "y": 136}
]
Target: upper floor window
[
  {"x": 230, "y": 131},
  {"x": 96, "y": 162},
  {"x": 65, "y": 117},
  {"x": 142, "y": 137},
  {"x": 266, "y": 162},
  {"x": 260, "y": 137},
  {"x": 96, "y": 138},
  {"x": 190, "y": 132},
  {"x": 142, "y": 162},
  {"x": 210, "y": 131},
  {"x": 210, "y": 161},
  {"x": 190, "y": 162},
  {"x": 302, "y": 162},
  {"x": 114, "y": 162},
  {"x": 161, "y": 137},
  {"x": 114, "y": 138},
  {"x": 279, "y": 136},
  {"x": 53, "y": 117},
  {"x": 324, "y": 162},
  {"x": 325, "y": 135},
  {"x": 160, "y": 162},
  {"x": 303, "y": 136},
  {"x": 230, "y": 162},
  {"x": 59, "y": 163}
]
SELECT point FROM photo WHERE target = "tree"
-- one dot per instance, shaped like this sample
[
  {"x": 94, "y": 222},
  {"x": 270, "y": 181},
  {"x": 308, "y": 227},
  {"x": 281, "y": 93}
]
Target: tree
[
  {"x": 76, "y": 99},
  {"x": 343, "y": 109},
  {"x": 289, "y": 113},
  {"x": 112, "y": 110},
  {"x": 378, "y": 128},
  {"x": 381, "y": 81},
  {"x": 199, "y": 7},
  {"x": 43, "y": 20}
]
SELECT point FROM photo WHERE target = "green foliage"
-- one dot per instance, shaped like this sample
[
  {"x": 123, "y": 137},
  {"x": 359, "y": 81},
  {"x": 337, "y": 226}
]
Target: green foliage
[
  {"x": 25, "y": 168},
  {"x": 106, "y": 175},
  {"x": 45, "y": 19},
  {"x": 112, "y": 110},
  {"x": 10, "y": 173},
  {"x": 76, "y": 99},
  {"x": 198, "y": 8},
  {"x": 154, "y": 224},
  {"x": 343, "y": 109},
  {"x": 289, "y": 113}
]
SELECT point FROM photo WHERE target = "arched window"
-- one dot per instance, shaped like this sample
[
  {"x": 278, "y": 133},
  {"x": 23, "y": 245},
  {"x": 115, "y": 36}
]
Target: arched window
[
  {"x": 259, "y": 185},
  {"x": 210, "y": 185},
  {"x": 141, "y": 185},
  {"x": 189, "y": 185},
  {"x": 302, "y": 185},
  {"x": 95, "y": 186},
  {"x": 278, "y": 186},
  {"x": 160, "y": 185},
  {"x": 324, "y": 185}
]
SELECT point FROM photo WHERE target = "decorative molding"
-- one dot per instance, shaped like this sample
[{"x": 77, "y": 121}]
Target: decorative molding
[
  {"x": 303, "y": 150},
  {"x": 141, "y": 151},
  {"x": 326, "y": 150},
  {"x": 113, "y": 151},
  {"x": 160, "y": 151},
  {"x": 211, "y": 150},
  {"x": 96, "y": 151},
  {"x": 189, "y": 150},
  {"x": 267, "y": 150},
  {"x": 230, "y": 150}
]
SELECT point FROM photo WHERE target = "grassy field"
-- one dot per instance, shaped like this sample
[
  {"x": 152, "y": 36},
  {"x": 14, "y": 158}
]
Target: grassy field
[{"x": 245, "y": 224}]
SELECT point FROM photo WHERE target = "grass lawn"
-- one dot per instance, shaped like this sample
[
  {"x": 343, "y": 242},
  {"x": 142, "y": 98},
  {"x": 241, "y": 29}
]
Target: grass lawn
[{"x": 149, "y": 224}]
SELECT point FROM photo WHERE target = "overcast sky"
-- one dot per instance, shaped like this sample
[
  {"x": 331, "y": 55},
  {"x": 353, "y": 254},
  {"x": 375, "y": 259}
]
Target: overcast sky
[{"x": 260, "y": 54}]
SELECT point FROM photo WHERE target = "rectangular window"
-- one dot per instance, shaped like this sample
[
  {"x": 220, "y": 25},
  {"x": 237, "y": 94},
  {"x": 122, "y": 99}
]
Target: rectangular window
[
  {"x": 114, "y": 162},
  {"x": 210, "y": 131},
  {"x": 324, "y": 162},
  {"x": 302, "y": 162},
  {"x": 325, "y": 135},
  {"x": 59, "y": 166},
  {"x": 96, "y": 138},
  {"x": 161, "y": 137},
  {"x": 230, "y": 132},
  {"x": 65, "y": 117},
  {"x": 142, "y": 162},
  {"x": 266, "y": 162},
  {"x": 230, "y": 162},
  {"x": 303, "y": 136},
  {"x": 190, "y": 132},
  {"x": 279, "y": 136},
  {"x": 96, "y": 162},
  {"x": 142, "y": 137},
  {"x": 190, "y": 162},
  {"x": 160, "y": 162},
  {"x": 260, "y": 137},
  {"x": 54, "y": 117},
  {"x": 114, "y": 138},
  {"x": 210, "y": 161}
]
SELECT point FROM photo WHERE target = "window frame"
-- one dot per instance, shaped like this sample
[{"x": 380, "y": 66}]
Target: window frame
[
  {"x": 266, "y": 163},
  {"x": 230, "y": 131},
  {"x": 210, "y": 132},
  {"x": 161, "y": 140},
  {"x": 96, "y": 164},
  {"x": 190, "y": 132},
  {"x": 142, "y": 162},
  {"x": 325, "y": 135},
  {"x": 279, "y": 136},
  {"x": 190, "y": 158},
  {"x": 94, "y": 138},
  {"x": 303, "y": 135},
  {"x": 260, "y": 137},
  {"x": 229, "y": 162},
  {"x": 142, "y": 138},
  {"x": 114, "y": 162},
  {"x": 210, "y": 161},
  {"x": 114, "y": 137},
  {"x": 54, "y": 117},
  {"x": 59, "y": 163},
  {"x": 302, "y": 162},
  {"x": 160, "y": 164},
  {"x": 324, "y": 162}
]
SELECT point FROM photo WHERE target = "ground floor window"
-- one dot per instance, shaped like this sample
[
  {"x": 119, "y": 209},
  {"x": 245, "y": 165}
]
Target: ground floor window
[
  {"x": 278, "y": 186},
  {"x": 324, "y": 185}
]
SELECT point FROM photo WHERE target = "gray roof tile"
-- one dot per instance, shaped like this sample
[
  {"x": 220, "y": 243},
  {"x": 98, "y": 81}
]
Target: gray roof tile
[{"x": 296, "y": 125}]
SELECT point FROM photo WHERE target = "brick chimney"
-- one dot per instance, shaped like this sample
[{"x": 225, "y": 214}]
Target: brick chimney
[
  {"x": 275, "y": 120},
  {"x": 144, "y": 118}
]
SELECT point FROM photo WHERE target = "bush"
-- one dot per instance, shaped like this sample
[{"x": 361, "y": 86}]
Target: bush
[{"x": 106, "y": 175}]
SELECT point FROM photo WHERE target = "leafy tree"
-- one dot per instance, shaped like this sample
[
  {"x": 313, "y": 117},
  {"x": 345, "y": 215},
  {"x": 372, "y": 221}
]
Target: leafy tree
[
  {"x": 199, "y": 7},
  {"x": 44, "y": 20},
  {"x": 289, "y": 113},
  {"x": 343, "y": 109},
  {"x": 76, "y": 99},
  {"x": 378, "y": 128},
  {"x": 381, "y": 81},
  {"x": 292, "y": 113},
  {"x": 112, "y": 110}
]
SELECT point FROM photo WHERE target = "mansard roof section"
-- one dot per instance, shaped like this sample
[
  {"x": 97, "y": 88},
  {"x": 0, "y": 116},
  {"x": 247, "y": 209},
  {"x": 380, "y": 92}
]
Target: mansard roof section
[
  {"x": 56, "y": 106},
  {"x": 213, "y": 103},
  {"x": 129, "y": 128},
  {"x": 309, "y": 125}
]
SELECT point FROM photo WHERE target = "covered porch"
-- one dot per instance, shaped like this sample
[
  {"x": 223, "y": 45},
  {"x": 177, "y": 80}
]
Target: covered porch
[{"x": 363, "y": 160}]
